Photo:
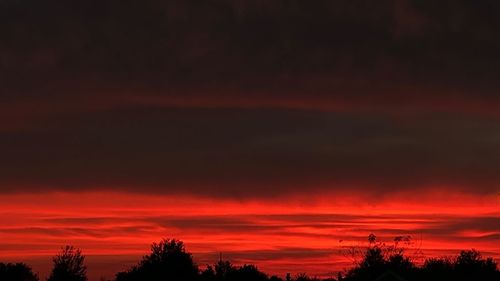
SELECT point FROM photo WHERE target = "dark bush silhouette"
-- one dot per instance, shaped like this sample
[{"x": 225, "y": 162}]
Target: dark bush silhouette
[
  {"x": 225, "y": 271},
  {"x": 371, "y": 267},
  {"x": 438, "y": 268},
  {"x": 302, "y": 277},
  {"x": 69, "y": 266},
  {"x": 248, "y": 273},
  {"x": 275, "y": 278},
  {"x": 390, "y": 263},
  {"x": 208, "y": 274},
  {"x": 17, "y": 272},
  {"x": 168, "y": 261},
  {"x": 470, "y": 265}
]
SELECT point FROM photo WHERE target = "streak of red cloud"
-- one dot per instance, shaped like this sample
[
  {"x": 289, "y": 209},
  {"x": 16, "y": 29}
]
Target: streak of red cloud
[
  {"x": 274, "y": 235},
  {"x": 312, "y": 95}
]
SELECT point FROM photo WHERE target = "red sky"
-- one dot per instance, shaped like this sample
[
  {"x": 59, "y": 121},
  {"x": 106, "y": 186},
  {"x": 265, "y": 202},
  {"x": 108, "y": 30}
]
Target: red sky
[
  {"x": 266, "y": 130},
  {"x": 284, "y": 235}
]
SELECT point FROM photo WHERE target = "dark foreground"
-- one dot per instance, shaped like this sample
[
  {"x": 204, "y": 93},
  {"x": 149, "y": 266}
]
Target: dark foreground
[{"x": 169, "y": 261}]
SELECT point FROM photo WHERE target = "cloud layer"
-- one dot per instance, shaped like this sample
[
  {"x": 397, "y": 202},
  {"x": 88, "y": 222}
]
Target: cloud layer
[
  {"x": 290, "y": 125},
  {"x": 249, "y": 98},
  {"x": 115, "y": 229},
  {"x": 252, "y": 153}
]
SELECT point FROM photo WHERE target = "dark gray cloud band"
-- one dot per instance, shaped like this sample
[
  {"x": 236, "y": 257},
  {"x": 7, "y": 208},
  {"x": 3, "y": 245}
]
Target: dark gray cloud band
[
  {"x": 253, "y": 152},
  {"x": 272, "y": 47},
  {"x": 252, "y": 98}
]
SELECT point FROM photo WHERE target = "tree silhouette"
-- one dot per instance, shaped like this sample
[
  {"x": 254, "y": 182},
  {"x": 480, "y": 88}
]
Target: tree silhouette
[
  {"x": 168, "y": 261},
  {"x": 386, "y": 262},
  {"x": 380, "y": 259},
  {"x": 225, "y": 271},
  {"x": 69, "y": 266},
  {"x": 17, "y": 272},
  {"x": 470, "y": 265},
  {"x": 302, "y": 277},
  {"x": 372, "y": 266},
  {"x": 438, "y": 269},
  {"x": 208, "y": 274},
  {"x": 275, "y": 278},
  {"x": 248, "y": 273}
]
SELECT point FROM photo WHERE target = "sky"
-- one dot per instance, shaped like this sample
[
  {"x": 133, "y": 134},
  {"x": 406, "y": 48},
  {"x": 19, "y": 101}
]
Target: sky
[{"x": 277, "y": 132}]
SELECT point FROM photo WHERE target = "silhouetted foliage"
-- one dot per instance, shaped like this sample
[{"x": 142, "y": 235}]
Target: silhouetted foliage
[
  {"x": 302, "y": 277},
  {"x": 250, "y": 273},
  {"x": 470, "y": 265},
  {"x": 381, "y": 263},
  {"x": 225, "y": 271},
  {"x": 69, "y": 266},
  {"x": 372, "y": 266},
  {"x": 440, "y": 269},
  {"x": 17, "y": 272},
  {"x": 168, "y": 261},
  {"x": 208, "y": 274},
  {"x": 275, "y": 278}
]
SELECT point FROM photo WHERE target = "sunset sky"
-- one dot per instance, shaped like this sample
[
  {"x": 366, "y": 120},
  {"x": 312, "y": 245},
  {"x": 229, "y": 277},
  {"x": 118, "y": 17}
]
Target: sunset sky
[{"x": 279, "y": 132}]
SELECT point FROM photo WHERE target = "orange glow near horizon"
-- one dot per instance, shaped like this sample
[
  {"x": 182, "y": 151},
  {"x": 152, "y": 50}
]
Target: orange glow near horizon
[{"x": 289, "y": 234}]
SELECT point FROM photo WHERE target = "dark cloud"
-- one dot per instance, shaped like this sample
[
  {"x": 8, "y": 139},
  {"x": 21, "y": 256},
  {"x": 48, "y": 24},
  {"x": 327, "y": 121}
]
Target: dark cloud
[
  {"x": 65, "y": 231},
  {"x": 348, "y": 47},
  {"x": 487, "y": 227},
  {"x": 253, "y": 98},
  {"x": 232, "y": 152}
]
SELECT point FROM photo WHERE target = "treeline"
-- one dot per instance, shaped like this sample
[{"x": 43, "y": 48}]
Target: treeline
[{"x": 169, "y": 261}]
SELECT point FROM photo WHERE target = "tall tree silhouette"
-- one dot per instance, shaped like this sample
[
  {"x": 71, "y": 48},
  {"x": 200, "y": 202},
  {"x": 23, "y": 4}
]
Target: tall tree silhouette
[
  {"x": 380, "y": 259},
  {"x": 69, "y": 266},
  {"x": 224, "y": 270},
  {"x": 168, "y": 261},
  {"x": 16, "y": 272}
]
